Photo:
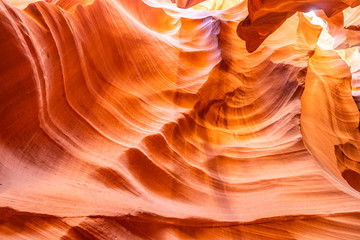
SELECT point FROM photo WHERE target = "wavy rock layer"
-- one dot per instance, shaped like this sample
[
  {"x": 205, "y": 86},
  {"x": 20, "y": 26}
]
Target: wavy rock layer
[{"x": 136, "y": 119}]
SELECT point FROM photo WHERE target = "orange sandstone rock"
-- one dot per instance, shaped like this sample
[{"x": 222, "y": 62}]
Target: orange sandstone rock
[{"x": 150, "y": 119}]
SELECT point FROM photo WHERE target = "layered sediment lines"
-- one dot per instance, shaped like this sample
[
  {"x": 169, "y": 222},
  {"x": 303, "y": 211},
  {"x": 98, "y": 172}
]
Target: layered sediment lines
[{"x": 153, "y": 119}]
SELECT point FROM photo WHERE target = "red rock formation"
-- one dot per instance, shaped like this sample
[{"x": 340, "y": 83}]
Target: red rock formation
[{"x": 136, "y": 119}]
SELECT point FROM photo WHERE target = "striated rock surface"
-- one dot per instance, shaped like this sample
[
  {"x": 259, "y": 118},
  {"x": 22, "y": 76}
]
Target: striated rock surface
[{"x": 164, "y": 119}]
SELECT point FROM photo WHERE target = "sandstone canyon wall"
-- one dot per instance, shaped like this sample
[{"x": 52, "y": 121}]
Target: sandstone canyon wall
[{"x": 187, "y": 119}]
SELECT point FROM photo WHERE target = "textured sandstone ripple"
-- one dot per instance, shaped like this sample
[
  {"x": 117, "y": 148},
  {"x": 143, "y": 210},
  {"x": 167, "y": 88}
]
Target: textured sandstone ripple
[{"x": 153, "y": 119}]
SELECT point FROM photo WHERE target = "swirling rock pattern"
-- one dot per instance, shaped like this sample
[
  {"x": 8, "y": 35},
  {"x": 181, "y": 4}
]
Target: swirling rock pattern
[{"x": 164, "y": 119}]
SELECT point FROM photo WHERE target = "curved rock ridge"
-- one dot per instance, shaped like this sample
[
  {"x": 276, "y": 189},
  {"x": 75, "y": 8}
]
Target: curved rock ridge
[
  {"x": 265, "y": 16},
  {"x": 153, "y": 119}
]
